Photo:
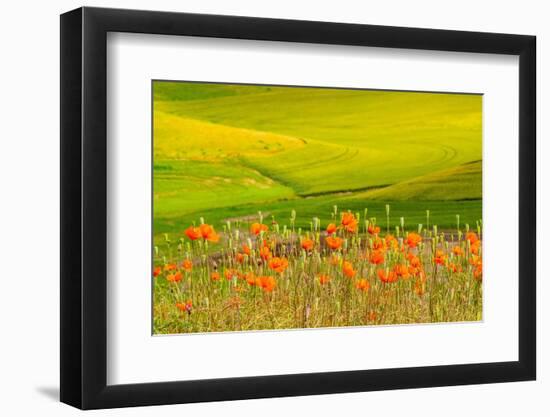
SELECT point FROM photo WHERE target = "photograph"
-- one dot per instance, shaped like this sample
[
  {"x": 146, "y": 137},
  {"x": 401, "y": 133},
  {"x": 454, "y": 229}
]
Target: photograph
[{"x": 297, "y": 207}]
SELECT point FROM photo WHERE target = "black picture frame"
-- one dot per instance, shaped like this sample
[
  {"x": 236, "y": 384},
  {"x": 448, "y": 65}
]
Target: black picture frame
[{"x": 84, "y": 207}]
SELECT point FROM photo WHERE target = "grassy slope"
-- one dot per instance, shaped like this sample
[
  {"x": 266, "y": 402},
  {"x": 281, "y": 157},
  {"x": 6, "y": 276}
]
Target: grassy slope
[
  {"x": 183, "y": 138},
  {"x": 462, "y": 182},
  {"x": 354, "y": 138},
  {"x": 227, "y": 151}
]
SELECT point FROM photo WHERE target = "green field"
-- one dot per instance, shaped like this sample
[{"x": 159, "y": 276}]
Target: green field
[{"x": 228, "y": 151}]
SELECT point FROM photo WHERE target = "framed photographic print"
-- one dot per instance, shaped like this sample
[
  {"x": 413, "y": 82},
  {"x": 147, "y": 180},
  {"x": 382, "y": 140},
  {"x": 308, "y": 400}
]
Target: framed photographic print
[{"x": 295, "y": 207}]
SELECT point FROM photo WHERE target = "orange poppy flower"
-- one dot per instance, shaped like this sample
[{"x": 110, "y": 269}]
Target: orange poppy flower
[
  {"x": 265, "y": 253},
  {"x": 170, "y": 267},
  {"x": 239, "y": 258},
  {"x": 478, "y": 272},
  {"x": 215, "y": 276},
  {"x": 331, "y": 228},
  {"x": 231, "y": 273},
  {"x": 208, "y": 233},
  {"x": 278, "y": 264},
  {"x": 387, "y": 276},
  {"x": 379, "y": 244},
  {"x": 362, "y": 284},
  {"x": 478, "y": 264},
  {"x": 348, "y": 270},
  {"x": 401, "y": 271},
  {"x": 307, "y": 244},
  {"x": 457, "y": 250},
  {"x": 391, "y": 242},
  {"x": 474, "y": 247},
  {"x": 471, "y": 237},
  {"x": 176, "y": 277},
  {"x": 372, "y": 316},
  {"x": 246, "y": 249},
  {"x": 324, "y": 279},
  {"x": 439, "y": 257},
  {"x": 373, "y": 230},
  {"x": 250, "y": 278},
  {"x": 413, "y": 239},
  {"x": 193, "y": 233},
  {"x": 187, "y": 265},
  {"x": 415, "y": 266},
  {"x": 376, "y": 257},
  {"x": 454, "y": 267},
  {"x": 186, "y": 306},
  {"x": 257, "y": 228},
  {"x": 267, "y": 283},
  {"x": 334, "y": 242},
  {"x": 157, "y": 271},
  {"x": 349, "y": 222},
  {"x": 414, "y": 260}
]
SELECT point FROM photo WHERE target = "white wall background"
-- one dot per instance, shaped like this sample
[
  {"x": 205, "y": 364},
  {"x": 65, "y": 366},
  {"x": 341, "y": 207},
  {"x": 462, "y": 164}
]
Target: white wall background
[{"x": 29, "y": 228}]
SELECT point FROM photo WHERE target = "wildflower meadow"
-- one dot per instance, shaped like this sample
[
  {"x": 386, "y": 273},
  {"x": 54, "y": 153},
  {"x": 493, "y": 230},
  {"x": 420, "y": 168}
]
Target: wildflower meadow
[{"x": 266, "y": 275}]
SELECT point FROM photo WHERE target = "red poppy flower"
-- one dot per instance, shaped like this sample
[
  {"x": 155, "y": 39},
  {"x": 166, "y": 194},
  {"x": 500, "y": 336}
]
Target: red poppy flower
[
  {"x": 170, "y": 267},
  {"x": 413, "y": 239},
  {"x": 265, "y": 253},
  {"x": 379, "y": 244},
  {"x": 307, "y": 244},
  {"x": 187, "y": 265},
  {"x": 331, "y": 228},
  {"x": 257, "y": 228},
  {"x": 185, "y": 306},
  {"x": 391, "y": 242},
  {"x": 175, "y": 277},
  {"x": 439, "y": 257},
  {"x": 157, "y": 271},
  {"x": 401, "y": 271},
  {"x": 193, "y": 233},
  {"x": 373, "y": 230},
  {"x": 347, "y": 269},
  {"x": 457, "y": 250},
  {"x": 474, "y": 247},
  {"x": 376, "y": 257},
  {"x": 231, "y": 273},
  {"x": 387, "y": 276},
  {"x": 278, "y": 264},
  {"x": 267, "y": 283},
  {"x": 349, "y": 222},
  {"x": 471, "y": 237},
  {"x": 334, "y": 242},
  {"x": 362, "y": 284},
  {"x": 208, "y": 233}
]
